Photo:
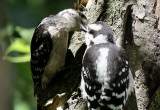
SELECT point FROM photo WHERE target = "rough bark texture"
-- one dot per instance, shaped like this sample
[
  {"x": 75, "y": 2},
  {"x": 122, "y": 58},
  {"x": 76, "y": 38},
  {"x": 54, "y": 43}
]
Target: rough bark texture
[
  {"x": 147, "y": 40},
  {"x": 136, "y": 26}
]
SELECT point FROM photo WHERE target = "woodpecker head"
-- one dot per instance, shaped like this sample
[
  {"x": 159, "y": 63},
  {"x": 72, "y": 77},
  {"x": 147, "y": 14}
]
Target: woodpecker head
[
  {"x": 99, "y": 32},
  {"x": 76, "y": 20}
]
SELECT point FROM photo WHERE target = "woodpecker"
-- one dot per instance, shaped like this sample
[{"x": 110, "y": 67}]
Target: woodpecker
[
  {"x": 50, "y": 42},
  {"x": 106, "y": 79}
]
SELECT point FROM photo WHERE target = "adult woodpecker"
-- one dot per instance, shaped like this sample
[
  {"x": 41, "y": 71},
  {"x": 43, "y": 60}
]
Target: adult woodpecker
[
  {"x": 106, "y": 79},
  {"x": 49, "y": 44}
]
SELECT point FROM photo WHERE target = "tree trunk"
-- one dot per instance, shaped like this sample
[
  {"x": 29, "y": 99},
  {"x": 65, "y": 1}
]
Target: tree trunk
[{"x": 136, "y": 26}]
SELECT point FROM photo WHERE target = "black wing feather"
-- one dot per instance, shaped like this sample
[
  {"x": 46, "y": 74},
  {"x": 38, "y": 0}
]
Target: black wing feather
[{"x": 41, "y": 46}]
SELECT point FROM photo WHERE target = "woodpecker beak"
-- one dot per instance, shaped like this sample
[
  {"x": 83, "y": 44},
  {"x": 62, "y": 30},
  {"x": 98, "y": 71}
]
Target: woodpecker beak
[
  {"x": 84, "y": 28},
  {"x": 83, "y": 22}
]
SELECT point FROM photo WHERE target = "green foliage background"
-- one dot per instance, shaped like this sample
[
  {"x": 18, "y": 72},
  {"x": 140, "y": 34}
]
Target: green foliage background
[{"x": 18, "y": 19}]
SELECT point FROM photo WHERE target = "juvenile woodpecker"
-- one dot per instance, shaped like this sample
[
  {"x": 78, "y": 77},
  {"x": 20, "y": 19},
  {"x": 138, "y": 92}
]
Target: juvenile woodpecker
[
  {"x": 106, "y": 79},
  {"x": 49, "y": 44}
]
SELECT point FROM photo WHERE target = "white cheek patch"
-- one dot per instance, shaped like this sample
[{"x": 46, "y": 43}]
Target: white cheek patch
[
  {"x": 95, "y": 27},
  {"x": 100, "y": 39},
  {"x": 88, "y": 38}
]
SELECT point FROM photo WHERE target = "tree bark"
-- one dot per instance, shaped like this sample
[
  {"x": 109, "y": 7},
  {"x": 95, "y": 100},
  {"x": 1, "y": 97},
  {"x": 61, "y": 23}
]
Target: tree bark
[{"x": 136, "y": 27}]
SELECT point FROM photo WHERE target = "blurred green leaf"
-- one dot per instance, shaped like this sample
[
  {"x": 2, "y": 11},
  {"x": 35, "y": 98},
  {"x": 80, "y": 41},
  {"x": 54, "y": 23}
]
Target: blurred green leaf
[
  {"x": 18, "y": 59},
  {"x": 22, "y": 49},
  {"x": 26, "y": 34},
  {"x": 18, "y": 45}
]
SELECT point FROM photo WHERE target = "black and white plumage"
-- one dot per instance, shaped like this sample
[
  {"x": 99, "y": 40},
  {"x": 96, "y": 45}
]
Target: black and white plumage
[
  {"x": 50, "y": 42},
  {"x": 106, "y": 79}
]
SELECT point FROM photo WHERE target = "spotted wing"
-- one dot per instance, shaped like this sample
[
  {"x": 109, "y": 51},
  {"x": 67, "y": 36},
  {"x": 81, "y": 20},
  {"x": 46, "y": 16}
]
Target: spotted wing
[
  {"x": 89, "y": 85},
  {"x": 41, "y": 46}
]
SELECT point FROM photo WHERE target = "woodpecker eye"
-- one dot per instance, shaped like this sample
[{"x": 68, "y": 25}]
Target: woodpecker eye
[
  {"x": 82, "y": 15},
  {"x": 91, "y": 31}
]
